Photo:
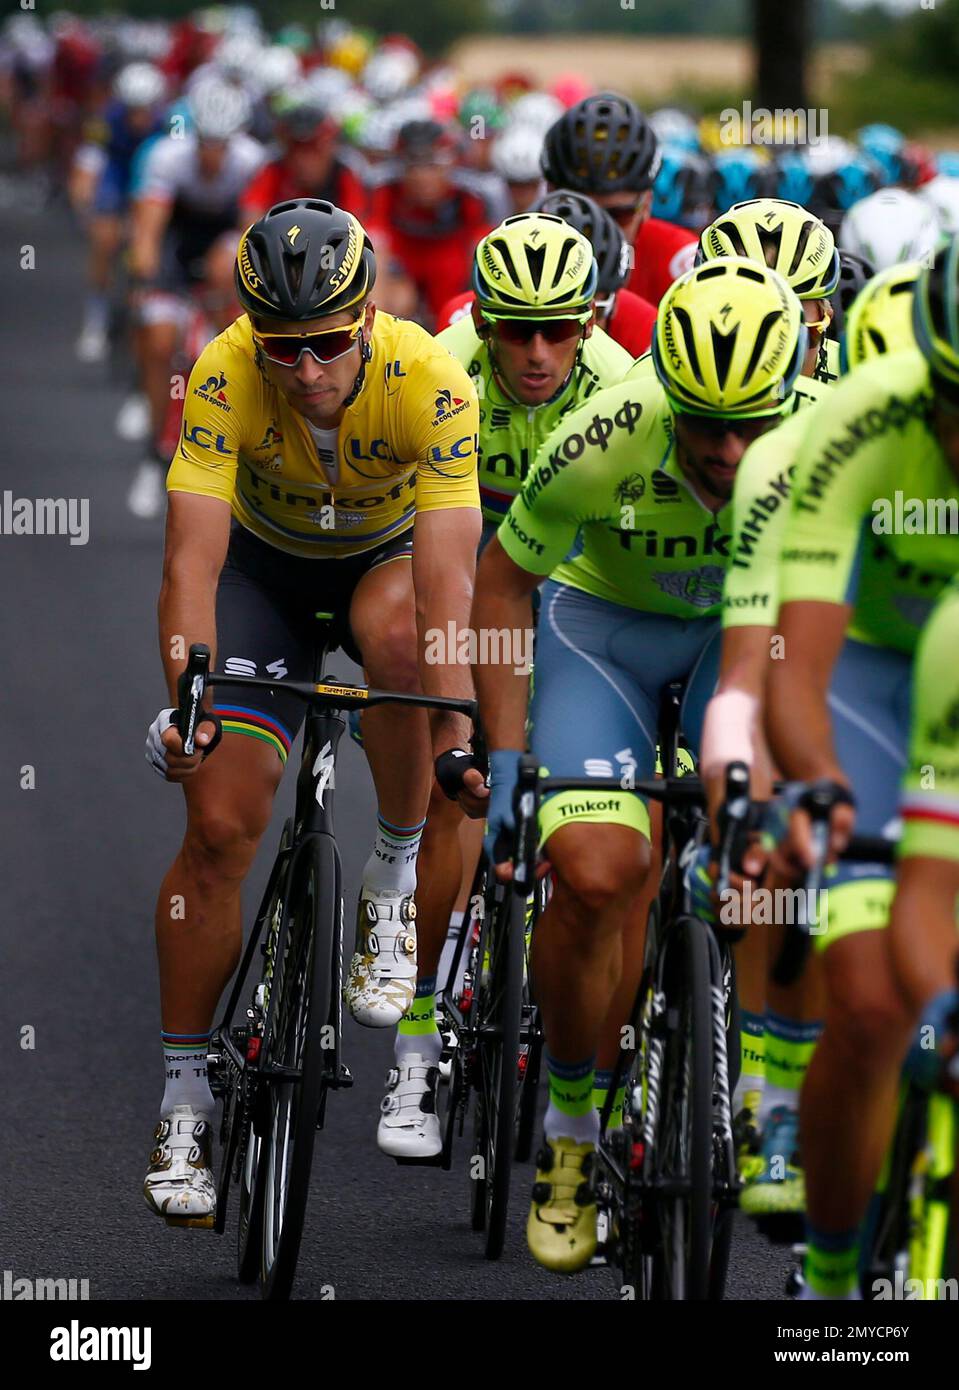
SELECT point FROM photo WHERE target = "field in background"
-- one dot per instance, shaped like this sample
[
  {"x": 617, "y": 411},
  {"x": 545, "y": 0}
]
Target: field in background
[{"x": 649, "y": 69}]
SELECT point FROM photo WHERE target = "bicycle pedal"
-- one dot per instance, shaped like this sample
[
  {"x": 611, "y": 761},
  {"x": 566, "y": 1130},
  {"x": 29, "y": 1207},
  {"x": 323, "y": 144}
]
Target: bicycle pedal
[
  {"x": 202, "y": 1222},
  {"x": 436, "y": 1161},
  {"x": 344, "y": 1078}
]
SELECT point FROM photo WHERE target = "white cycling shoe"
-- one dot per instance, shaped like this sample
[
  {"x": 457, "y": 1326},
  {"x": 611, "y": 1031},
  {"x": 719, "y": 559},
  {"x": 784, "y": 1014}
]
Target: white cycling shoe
[
  {"x": 409, "y": 1126},
  {"x": 133, "y": 419},
  {"x": 382, "y": 979},
  {"x": 179, "y": 1183},
  {"x": 93, "y": 344}
]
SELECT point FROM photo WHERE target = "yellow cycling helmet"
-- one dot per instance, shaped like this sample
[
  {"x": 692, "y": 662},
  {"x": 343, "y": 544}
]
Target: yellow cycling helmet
[
  {"x": 880, "y": 317},
  {"x": 534, "y": 264},
  {"x": 783, "y": 236},
  {"x": 729, "y": 340}
]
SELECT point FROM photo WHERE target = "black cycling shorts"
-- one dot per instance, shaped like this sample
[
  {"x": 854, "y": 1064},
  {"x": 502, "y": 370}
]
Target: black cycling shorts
[{"x": 266, "y": 606}]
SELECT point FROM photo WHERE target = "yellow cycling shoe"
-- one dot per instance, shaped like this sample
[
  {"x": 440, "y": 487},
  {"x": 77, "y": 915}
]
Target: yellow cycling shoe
[{"x": 561, "y": 1230}]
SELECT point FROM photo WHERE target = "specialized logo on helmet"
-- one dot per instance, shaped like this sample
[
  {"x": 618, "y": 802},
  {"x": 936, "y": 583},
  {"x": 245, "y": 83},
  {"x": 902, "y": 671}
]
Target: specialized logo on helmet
[
  {"x": 253, "y": 280},
  {"x": 534, "y": 235},
  {"x": 446, "y": 406},
  {"x": 342, "y": 274},
  {"x": 293, "y": 233},
  {"x": 490, "y": 262}
]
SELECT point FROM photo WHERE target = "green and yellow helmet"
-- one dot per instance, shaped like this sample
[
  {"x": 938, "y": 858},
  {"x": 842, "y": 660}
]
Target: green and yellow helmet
[
  {"x": 729, "y": 340},
  {"x": 783, "y": 236},
  {"x": 935, "y": 315},
  {"x": 880, "y": 317},
  {"x": 534, "y": 265}
]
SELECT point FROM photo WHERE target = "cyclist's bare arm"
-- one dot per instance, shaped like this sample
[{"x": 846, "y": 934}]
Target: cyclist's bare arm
[
  {"x": 503, "y": 600},
  {"x": 798, "y": 726},
  {"x": 742, "y": 669},
  {"x": 150, "y": 218},
  {"x": 444, "y": 567},
  {"x": 197, "y": 535}
]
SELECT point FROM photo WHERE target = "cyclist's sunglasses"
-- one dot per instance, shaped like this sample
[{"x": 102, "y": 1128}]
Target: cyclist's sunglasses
[
  {"x": 713, "y": 427},
  {"x": 326, "y": 345},
  {"x": 623, "y": 213},
  {"x": 520, "y": 331}
]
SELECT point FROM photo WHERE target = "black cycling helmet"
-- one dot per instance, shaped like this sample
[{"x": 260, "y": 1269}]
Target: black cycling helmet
[
  {"x": 418, "y": 140},
  {"x": 599, "y": 229},
  {"x": 603, "y": 144},
  {"x": 303, "y": 259},
  {"x": 854, "y": 272}
]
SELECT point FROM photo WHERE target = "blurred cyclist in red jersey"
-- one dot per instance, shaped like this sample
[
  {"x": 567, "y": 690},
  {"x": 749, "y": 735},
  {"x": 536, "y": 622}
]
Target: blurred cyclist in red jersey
[
  {"x": 427, "y": 220},
  {"x": 310, "y": 165}
]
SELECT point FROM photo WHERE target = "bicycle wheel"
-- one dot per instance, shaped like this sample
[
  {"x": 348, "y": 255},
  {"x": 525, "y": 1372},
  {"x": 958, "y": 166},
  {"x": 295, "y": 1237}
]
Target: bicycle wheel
[
  {"x": 298, "y": 1013},
  {"x": 497, "y": 1069},
  {"x": 683, "y": 1143}
]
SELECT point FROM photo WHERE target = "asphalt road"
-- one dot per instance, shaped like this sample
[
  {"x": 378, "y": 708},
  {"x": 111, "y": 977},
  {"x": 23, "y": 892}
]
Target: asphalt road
[{"x": 84, "y": 849}]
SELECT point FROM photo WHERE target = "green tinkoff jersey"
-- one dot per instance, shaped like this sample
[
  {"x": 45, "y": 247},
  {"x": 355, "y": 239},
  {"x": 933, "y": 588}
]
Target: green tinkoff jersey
[
  {"x": 760, "y": 511},
  {"x": 643, "y": 538},
  {"x": 930, "y": 806},
  {"x": 875, "y": 512},
  {"x": 511, "y": 433}
]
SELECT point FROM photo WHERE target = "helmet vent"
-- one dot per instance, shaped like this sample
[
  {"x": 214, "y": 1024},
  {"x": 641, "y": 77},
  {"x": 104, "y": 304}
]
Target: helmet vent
[
  {"x": 562, "y": 260},
  {"x": 772, "y": 245},
  {"x": 762, "y": 337},
  {"x": 686, "y": 328},
  {"x": 724, "y": 345},
  {"x": 535, "y": 259}
]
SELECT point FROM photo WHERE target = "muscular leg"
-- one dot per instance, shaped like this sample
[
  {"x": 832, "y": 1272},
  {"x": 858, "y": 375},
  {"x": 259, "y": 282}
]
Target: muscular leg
[
  {"x": 577, "y": 950},
  {"x": 848, "y": 1100},
  {"x": 198, "y": 925}
]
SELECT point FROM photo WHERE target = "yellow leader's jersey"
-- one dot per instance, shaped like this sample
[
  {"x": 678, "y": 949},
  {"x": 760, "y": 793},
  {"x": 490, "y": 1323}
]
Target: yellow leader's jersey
[{"x": 408, "y": 443}]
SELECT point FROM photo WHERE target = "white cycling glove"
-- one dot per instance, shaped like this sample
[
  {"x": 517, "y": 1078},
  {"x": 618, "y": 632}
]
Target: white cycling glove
[{"x": 155, "y": 747}]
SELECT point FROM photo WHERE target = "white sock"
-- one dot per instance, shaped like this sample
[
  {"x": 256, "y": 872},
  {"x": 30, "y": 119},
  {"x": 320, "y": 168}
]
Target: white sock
[
  {"x": 582, "y": 1129},
  {"x": 392, "y": 865},
  {"x": 429, "y": 1046},
  {"x": 448, "y": 952},
  {"x": 186, "y": 1079}
]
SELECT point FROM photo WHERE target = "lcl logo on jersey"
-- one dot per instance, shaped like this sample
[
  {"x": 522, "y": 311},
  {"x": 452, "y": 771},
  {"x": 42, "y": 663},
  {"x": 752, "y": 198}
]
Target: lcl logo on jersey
[{"x": 203, "y": 438}]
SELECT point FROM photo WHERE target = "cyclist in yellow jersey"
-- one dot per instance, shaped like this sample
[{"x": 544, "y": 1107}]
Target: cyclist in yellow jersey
[{"x": 343, "y": 442}]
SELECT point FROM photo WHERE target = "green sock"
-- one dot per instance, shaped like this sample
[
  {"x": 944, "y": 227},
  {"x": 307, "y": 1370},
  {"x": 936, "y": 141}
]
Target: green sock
[
  {"x": 570, "y": 1086},
  {"x": 831, "y": 1265},
  {"x": 752, "y": 1046},
  {"x": 601, "y": 1084},
  {"x": 420, "y": 1018},
  {"x": 789, "y": 1049}
]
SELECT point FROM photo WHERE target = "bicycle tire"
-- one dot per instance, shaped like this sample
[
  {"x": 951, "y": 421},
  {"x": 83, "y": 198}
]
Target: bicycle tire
[
  {"x": 299, "y": 1011},
  {"x": 684, "y": 1138},
  {"x": 497, "y": 1059}
]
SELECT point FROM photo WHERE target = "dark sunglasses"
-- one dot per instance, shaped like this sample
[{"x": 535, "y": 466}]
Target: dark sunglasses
[
  {"x": 623, "y": 212},
  {"x": 286, "y": 348},
  {"x": 521, "y": 331},
  {"x": 715, "y": 428}
]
